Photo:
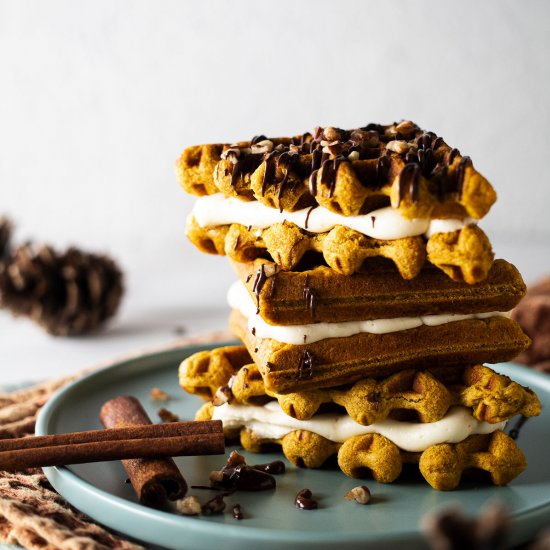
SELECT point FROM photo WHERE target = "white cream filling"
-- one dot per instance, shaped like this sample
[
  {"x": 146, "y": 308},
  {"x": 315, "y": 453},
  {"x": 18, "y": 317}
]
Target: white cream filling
[
  {"x": 271, "y": 422},
  {"x": 384, "y": 223},
  {"x": 239, "y": 299}
]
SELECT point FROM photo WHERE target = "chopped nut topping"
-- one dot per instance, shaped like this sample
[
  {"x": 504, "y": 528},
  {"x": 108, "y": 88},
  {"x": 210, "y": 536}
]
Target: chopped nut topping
[
  {"x": 361, "y": 494},
  {"x": 354, "y": 155},
  {"x": 398, "y": 146},
  {"x": 327, "y": 143},
  {"x": 369, "y": 138},
  {"x": 332, "y": 134},
  {"x": 264, "y": 146},
  {"x": 234, "y": 459},
  {"x": 406, "y": 127},
  {"x": 223, "y": 395},
  {"x": 271, "y": 269},
  {"x": 188, "y": 506},
  {"x": 158, "y": 395},
  {"x": 232, "y": 154},
  {"x": 216, "y": 476}
]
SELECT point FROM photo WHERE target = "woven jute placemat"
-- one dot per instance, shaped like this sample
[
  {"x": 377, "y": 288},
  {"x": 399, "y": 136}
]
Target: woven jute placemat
[{"x": 32, "y": 514}]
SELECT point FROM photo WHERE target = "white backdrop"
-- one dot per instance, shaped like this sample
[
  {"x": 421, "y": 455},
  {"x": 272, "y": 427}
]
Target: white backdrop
[{"x": 98, "y": 98}]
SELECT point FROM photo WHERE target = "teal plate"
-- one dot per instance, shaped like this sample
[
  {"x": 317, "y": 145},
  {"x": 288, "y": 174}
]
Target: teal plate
[{"x": 271, "y": 519}]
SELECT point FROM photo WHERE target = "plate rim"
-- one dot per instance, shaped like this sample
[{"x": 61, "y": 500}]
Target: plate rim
[{"x": 63, "y": 479}]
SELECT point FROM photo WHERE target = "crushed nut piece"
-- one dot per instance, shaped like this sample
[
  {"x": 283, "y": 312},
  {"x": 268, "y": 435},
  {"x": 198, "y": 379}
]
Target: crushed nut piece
[
  {"x": 406, "y": 127},
  {"x": 223, "y": 395},
  {"x": 232, "y": 154},
  {"x": 264, "y": 146},
  {"x": 156, "y": 394},
  {"x": 216, "y": 476},
  {"x": 234, "y": 459},
  {"x": 354, "y": 155},
  {"x": 168, "y": 416},
  {"x": 361, "y": 494},
  {"x": 215, "y": 505},
  {"x": 332, "y": 134},
  {"x": 188, "y": 506},
  {"x": 398, "y": 146}
]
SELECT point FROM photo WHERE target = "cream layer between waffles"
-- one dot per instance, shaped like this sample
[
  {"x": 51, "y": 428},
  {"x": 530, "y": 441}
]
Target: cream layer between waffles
[
  {"x": 270, "y": 422},
  {"x": 383, "y": 224}
]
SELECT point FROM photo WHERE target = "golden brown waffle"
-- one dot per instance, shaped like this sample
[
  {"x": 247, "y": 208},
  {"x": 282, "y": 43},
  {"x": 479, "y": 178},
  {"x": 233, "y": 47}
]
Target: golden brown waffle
[
  {"x": 331, "y": 362},
  {"x": 195, "y": 168},
  {"x": 210, "y": 369},
  {"x": 227, "y": 374},
  {"x": 374, "y": 455},
  {"x": 350, "y": 172},
  {"x": 465, "y": 255},
  {"x": 323, "y": 295}
]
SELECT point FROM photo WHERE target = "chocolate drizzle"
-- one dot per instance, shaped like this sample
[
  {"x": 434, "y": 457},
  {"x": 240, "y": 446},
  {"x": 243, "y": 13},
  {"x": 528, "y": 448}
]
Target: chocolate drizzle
[
  {"x": 382, "y": 168},
  {"x": 245, "y": 478},
  {"x": 514, "y": 432},
  {"x": 317, "y": 158},
  {"x": 243, "y": 166},
  {"x": 257, "y": 139},
  {"x": 426, "y": 155},
  {"x": 465, "y": 162},
  {"x": 237, "y": 476},
  {"x": 259, "y": 282},
  {"x": 329, "y": 171},
  {"x": 308, "y": 214},
  {"x": 452, "y": 155},
  {"x": 310, "y": 296},
  {"x": 269, "y": 172},
  {"x": 282, "y": 159},
  {"x": 274, "y": 468},
  {"x": 306, "y": 365},
  {"x": 408, "y": 180}
]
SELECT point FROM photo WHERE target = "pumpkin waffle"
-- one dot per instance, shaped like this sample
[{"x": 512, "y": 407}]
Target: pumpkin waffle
[
  {"x": 465, "y": 254},
  {"x": 322, "y": 295},
  {"x": 350, "y": 172},
  {"x": 373, "y": 455},
  {"x": 330, "y": 362},
  {"x": 227, "y": 375}
]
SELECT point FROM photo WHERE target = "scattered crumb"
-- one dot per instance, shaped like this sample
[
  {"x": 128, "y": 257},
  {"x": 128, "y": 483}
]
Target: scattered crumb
[
  {"x": 237, "y": 512},
  {"x": 188, "y": 506},
  {"x": 361, "y": 494},
  {"x": 157, "y": 394},
  {"x": 168, "y": 416}
]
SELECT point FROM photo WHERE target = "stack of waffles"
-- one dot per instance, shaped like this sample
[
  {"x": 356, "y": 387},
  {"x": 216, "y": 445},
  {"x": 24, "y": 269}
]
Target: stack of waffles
[{"x": 367, "y": 303}]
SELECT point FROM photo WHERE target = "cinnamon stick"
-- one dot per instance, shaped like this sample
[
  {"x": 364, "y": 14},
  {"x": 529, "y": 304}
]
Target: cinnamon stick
[
  {"x": 176, "y": 439},
  {"x": 153, "y": 480}
]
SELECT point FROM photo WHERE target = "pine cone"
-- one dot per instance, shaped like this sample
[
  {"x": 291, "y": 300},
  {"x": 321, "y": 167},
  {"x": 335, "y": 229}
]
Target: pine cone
[
  {"x": 69, "y": 293},
  {"x": 5, "y": 238},
  {"x": 451, "y": 530}
]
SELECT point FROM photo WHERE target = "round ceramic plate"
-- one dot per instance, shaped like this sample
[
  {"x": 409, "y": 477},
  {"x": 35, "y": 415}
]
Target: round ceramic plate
[{"x": 271, "y": 519}]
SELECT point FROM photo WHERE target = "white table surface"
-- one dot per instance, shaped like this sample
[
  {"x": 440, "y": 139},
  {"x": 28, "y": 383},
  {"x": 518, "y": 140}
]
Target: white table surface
[{"x": 161, "y": 305}]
